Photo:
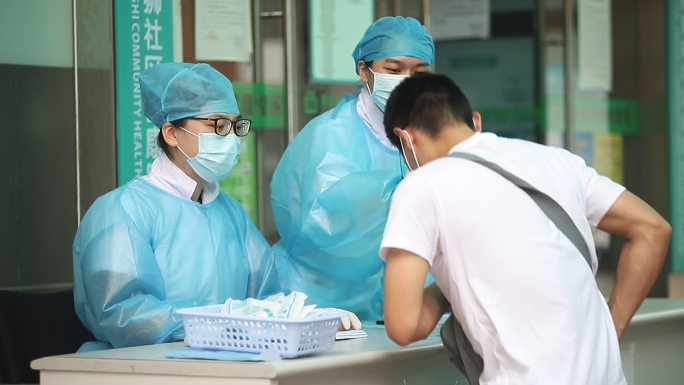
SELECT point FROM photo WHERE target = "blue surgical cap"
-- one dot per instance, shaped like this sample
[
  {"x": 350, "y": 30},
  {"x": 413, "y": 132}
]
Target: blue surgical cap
[
  {"x": 172, "y": 91},
  {"x": 395, "y": 36}
]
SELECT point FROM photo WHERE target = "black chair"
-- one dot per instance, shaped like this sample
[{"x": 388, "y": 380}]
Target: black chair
[{"x": 34, "y": 325}]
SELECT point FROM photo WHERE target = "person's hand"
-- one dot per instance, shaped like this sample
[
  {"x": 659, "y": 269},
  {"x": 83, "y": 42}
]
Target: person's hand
[{"x": 349, "y": 319}]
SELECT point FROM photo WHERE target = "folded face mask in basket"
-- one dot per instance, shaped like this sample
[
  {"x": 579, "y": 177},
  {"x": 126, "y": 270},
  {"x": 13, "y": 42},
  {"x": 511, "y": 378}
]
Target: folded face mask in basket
[
  {"x": 307, "y": 331},
  {"x": 278, "y": 306}
]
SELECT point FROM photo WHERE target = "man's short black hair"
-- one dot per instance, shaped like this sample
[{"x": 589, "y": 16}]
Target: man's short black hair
[{"x": 427, "y": 102}]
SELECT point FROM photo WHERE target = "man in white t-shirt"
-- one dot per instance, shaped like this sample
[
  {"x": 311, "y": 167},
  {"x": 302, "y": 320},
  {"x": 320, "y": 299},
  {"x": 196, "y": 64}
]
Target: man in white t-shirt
[{"x": 525, "y": 296}]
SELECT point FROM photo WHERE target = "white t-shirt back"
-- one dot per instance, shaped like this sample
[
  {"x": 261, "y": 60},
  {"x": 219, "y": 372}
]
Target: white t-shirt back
[{"x": 525, "y": 296}]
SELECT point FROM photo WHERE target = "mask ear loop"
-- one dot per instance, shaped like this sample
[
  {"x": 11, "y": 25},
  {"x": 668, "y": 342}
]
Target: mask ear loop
[
  {"x": 183, "y": 152},
  {"x": 403, "y": 152},
  {"x": 367, "y": 86},
  {"x": 413, "y": 150},
  {"x": 402, "y": 162},
  {"x": 191, "y": 133}
]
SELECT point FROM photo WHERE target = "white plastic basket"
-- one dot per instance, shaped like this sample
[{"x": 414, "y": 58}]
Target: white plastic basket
[{"x": 206, "y": 328}]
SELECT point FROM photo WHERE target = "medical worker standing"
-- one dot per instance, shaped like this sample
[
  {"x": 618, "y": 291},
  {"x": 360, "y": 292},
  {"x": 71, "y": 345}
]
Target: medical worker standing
[
  {"x": 330, "y": 192},
  {"x": 171, "y": 239},
  {"x": 522, "y": 290}
]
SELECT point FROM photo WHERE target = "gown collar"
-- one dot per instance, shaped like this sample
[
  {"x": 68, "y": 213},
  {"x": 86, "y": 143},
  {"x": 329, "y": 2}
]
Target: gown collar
[
  {"x": 168, "y": 177},
  {"x": 372, "y": 116}
]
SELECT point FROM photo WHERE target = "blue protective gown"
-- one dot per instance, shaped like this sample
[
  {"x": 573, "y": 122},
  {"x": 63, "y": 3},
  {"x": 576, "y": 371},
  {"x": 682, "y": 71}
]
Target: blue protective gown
[
  {"x": 140, "y": 253},
  {"x": 330, "y": 195}
]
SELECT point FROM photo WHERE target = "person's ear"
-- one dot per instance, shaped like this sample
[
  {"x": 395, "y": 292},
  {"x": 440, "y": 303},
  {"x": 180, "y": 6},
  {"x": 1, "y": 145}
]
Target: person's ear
[
  {"x": 363, "y": 70},
  {"x": 401, "y": 133},
  {"x": 169, "y": 133},
  {"x": 408, "y": 134},
  {"x": 477, "y": 120}
]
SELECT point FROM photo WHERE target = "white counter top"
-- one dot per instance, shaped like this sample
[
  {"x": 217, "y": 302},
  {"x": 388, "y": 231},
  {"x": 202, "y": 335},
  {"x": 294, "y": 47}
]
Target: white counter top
[
  {"x": 151, "y": 358},
  {"x": 371, "y": 360},
  {"x": 375, "y": 358},
  {"x": 654, "y": 309}
]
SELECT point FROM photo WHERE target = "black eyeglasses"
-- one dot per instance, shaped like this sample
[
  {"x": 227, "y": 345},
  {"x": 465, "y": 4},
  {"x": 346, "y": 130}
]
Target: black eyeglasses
[{"x": 223, "y": 126}]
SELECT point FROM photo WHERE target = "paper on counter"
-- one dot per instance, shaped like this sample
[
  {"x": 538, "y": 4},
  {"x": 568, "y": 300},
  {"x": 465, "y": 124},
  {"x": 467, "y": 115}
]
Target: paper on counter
[
  {"x": 222, "y": 355},
  {"x": 350, "y": 334}
]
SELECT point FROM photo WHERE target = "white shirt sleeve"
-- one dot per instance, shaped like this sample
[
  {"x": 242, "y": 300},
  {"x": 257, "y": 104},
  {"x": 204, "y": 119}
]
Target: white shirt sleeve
[
  {"x": 600, "y": 194},
  {"x": 412, "y": 224}
]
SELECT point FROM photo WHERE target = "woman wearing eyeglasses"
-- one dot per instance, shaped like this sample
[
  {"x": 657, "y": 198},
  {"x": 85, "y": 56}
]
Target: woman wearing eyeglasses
[{"x": 171, "y": 239}]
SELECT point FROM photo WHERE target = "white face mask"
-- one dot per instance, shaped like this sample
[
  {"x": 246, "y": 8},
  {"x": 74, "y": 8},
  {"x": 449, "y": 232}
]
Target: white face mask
[
  {"x": 383, "y": 84},
  {"x": 216, "y": 155}
]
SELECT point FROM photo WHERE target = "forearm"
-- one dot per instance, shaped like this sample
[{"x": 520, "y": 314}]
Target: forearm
[
  {"x": 647, "y": 237},
  {"x": 434, "y": 306},
  {"x": 124, "y": 315},
  {"x": 639, "y": 266},
  {"x": 142, "y": 321},
  {"x": 411, "y": 311}
]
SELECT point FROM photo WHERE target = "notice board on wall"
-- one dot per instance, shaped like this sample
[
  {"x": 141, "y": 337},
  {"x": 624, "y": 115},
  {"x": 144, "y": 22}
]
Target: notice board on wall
[{"x": 336, "y": 28}]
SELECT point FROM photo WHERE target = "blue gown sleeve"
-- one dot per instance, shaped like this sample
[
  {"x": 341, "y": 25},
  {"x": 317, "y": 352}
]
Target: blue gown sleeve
[
  {"x": 122, "y": 289},
  {"x": 329, "y": 194}
]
